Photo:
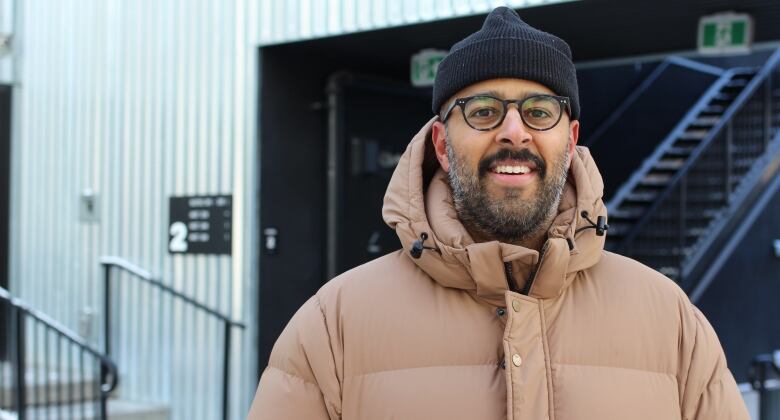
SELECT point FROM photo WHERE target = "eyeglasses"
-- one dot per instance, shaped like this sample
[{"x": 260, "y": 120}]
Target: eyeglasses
[{"x": 484, "y": 113}]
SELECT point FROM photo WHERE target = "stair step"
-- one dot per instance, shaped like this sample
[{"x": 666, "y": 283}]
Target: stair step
[
  {"x": 706, "y": 121},
  {"x": 118, "y": 409},
  {"x": 695, "y": 215},
  {"x": 715, "y": 182},
  {"x": 714, "y": 109},
  {"x": 743, "y": 163},
  {"x": 641, "y": 197},
  {"x": 656, "y": 179},
  {"x": 707, "y": 196},
  {"x": 694, "y": 135},
  {"x": 753, "y": 148},
  {"x": 737, "y": 82},
  {"x": 47, "y": 386},
  {"x": 630, "y": 213},
  {"x": 671, "y": 272},
  {"x": 724, "y": 97},
  {"x": 681, "y": 151},
  {"x": 659, "y": 252},
  {"x": 669, "y": 164},
  {"x": 693, "y": 232},
  {"x": 618, "y": 229}
]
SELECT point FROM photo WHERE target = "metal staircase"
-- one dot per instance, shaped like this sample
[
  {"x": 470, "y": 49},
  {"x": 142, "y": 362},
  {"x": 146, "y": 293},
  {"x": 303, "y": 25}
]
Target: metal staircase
[
  {"x": 673, "y": 205},
  {"x": 53, "y": 372}
]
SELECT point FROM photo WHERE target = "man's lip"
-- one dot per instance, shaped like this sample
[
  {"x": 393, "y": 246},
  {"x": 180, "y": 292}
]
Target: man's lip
[
  {"x": 512, "y": 162},
  {"x": 513, "y": 180}
]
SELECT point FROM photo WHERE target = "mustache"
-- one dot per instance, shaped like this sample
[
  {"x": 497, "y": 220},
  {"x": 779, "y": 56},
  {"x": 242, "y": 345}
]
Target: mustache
[{"x": 505, "y": 154}]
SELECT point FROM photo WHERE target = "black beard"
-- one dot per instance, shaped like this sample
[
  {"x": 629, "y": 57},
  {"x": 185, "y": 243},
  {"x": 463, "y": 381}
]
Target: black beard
[{"x": 508, "y": 219}]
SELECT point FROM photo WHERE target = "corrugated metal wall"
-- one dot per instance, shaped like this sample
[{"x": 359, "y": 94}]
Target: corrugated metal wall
[
  {"x": 292, "y": 20},
  {"x": 138, "y": 101}
]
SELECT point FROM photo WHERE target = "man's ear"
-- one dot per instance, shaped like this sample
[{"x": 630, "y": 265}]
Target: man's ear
[
  {"x": 574, "y": 136},
  {"x": 439, "y": 138}
]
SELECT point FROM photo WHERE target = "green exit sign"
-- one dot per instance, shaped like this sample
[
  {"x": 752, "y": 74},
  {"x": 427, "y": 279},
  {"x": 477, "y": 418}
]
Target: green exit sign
[
  {"x": 725, "y": 33},
  {"x": 424, "y": 66}
]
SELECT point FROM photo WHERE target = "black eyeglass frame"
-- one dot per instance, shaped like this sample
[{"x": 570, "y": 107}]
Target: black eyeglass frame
[{"x": 565, "y": 102}]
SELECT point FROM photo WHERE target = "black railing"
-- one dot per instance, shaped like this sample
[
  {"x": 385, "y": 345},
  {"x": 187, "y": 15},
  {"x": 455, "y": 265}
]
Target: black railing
[
  {"x": 45, "y": 380},
  {"x": 110, "y": 263},
  {"x": 709, "y": 177},
  {"x": 715, "y": 89},
  {"x": 764, "y": 377},
  {"x": 616, "y": 115}
]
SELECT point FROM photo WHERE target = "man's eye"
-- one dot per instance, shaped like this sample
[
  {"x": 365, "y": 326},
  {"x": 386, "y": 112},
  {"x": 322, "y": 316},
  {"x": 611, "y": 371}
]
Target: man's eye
[
  {"x": 483, "y": 113},
  {"x": 537, "y": 113}
]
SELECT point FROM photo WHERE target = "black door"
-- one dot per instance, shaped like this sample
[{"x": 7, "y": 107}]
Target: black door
[
  {"x": 371, "y": 121},
  {"x": 328, "y": 149}
]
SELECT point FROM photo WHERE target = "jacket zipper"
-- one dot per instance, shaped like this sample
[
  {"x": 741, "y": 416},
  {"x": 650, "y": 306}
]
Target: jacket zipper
[
  {"x": 532, "y": 277},
  {"x": 510, "y": 280}
]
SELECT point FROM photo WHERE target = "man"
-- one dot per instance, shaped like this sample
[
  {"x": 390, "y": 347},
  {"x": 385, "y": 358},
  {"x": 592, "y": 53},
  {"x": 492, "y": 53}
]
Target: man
[{"x": 503, "y": 304}]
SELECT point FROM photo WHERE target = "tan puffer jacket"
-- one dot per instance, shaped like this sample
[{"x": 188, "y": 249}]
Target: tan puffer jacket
[{"x": 598, "y": 337}]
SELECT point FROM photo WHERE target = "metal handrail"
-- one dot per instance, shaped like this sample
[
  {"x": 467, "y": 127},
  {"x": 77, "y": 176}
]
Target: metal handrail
[
  {"x": 109, "y": 376},
  {"x": 645, "y": 85},
  {"x": 667, "y": 142},
  {"x": 762, "y": 368},
  {"x": 766, "y": 171},
  {"x": 109, "y": 262},
  {"x": 147, "y": 277},
  {"x": 723, "y": 122}
]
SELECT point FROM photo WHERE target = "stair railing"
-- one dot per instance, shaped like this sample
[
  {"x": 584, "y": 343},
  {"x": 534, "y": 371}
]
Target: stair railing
[
  {"x": 37, "y": 379},
  {"x": 750, "y": 114},
  {"x": 110, "y": 263},
  {"x": 673, "y": 135},
  {"x": 764, "y": 377},
  {"x": 646, "y": 84}
]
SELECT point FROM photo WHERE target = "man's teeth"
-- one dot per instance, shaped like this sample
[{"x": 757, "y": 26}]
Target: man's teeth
[{"x": 522, "y": 169}]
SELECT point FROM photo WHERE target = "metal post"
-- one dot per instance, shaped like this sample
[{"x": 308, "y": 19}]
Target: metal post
[
  {"x": 19, "y": 363},
  {"x": 759, "y": 372},
  {"x": 101, "y": 390},
  {"x": 767, "y": 112},
  {"x": 682, "y": 227},
  {"x": 333, "y": 182},
  {"x": 729, "y": 159},
  {"x": 106, "y": 336},
  {"x": 226, "y": 371},
  {"x": 107, "y": 309}
]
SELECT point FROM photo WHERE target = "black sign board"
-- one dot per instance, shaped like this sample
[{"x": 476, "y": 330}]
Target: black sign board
[{"x": 200, "y": 224}]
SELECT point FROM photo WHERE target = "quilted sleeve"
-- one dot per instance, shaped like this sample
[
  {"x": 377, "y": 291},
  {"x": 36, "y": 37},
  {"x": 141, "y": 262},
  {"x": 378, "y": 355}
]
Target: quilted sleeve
[
  {"x": 708, "y": 389},
  {"x": 300, "y": 381}
]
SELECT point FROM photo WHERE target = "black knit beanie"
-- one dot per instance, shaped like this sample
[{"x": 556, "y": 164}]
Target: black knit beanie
[{"x": 507, "y": 47}]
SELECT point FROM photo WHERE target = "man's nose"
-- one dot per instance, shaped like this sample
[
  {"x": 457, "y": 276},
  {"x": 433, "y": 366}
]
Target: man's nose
[{"x": 513, "y": 130}]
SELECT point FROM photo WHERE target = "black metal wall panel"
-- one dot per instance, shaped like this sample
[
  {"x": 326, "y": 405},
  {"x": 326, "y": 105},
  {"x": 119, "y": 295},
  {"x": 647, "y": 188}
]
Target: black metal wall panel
[{"x": 743, "y": 301}]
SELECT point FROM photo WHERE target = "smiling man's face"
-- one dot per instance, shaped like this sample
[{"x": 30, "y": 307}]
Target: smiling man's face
[{"x": 506, "y": 182}]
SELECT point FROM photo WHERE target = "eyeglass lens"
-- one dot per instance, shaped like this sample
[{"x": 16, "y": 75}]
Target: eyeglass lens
[{"x": 538, "y": 112}]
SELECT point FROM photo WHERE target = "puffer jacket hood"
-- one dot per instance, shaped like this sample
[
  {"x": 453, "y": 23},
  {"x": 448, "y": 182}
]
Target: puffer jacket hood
[
  {"x": 446, "y": 336},
  {"x": 418, "y": 201}
]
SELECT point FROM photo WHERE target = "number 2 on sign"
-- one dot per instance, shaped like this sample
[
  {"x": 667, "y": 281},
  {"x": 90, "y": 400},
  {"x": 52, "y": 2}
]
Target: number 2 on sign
[{"x": 178, "y": 232}]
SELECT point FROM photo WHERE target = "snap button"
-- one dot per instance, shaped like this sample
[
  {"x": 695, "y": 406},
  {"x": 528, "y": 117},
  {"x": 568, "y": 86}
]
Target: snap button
[
  {"x": 516, "y": 305},
  {"x": 500, "y": 311},
  {"x": 517, "y": 360}
]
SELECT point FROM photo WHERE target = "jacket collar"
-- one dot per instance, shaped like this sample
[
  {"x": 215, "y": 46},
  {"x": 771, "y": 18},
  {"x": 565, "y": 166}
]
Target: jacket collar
[{"x": 418, "y": 201}]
